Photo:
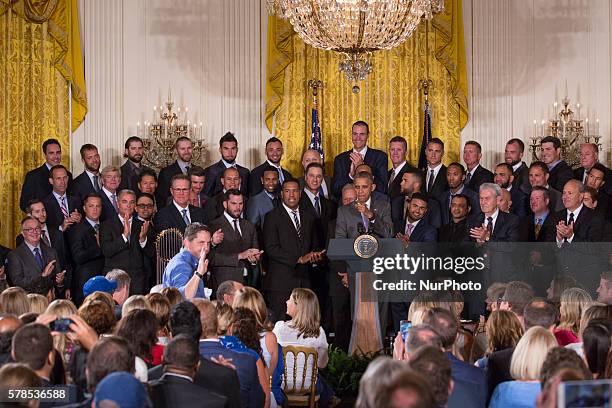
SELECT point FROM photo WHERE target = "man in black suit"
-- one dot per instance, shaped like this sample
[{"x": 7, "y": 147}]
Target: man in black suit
[
  {"x": 88, "y": 181},
  {"x": 228, "y": 148},
  {"x": 230, "y": 180},
  {"x": 435, "y": 173},
  {"x": 560, "y": 172},
  {"x": 179, "y": 213},
  {"x": 398, "y": 147},
  {"x": 131, "y": 169},
  {"x": 34, "y": 266},
  {"x": 274, "y": 154},
  {"x": 577, "y": 223},
  {"x": 541, "y": 224},
  {"x": 539, "y": 176},
  {"x": 455, "y": 178},
  {"x": 111, "y": 178},
  {"x": 513, "y": 155},
  {"x": 596, "y": 179},
  {"x": 62, "y": 209},
  {"x": 236, "y": 258},
  {"x": 289, "y": 241},
  {"x": 589, "y": 156},
  {"x": 345, "y": 164},
  {"x": 176, "y": 386},
  {"x": 125, "y": 243},
  {"x": 412, "y": 182},
  {"x": 313, "y": 156},
  {"x": 184, "y": 153},
  {"x": 504, "y": 178},
  {"x": 145, "y": 210},
  {"x": 197, "y": 198},
  {"x": 36, "y": 183},
  {"x": 84, "y": 243},
  {"x": 456, "y": 229},
  {"x": 476, "y": 175}
]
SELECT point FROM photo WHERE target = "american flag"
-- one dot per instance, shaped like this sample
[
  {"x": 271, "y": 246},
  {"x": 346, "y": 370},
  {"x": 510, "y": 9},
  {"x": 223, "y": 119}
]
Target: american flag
[
  {"x": 315, "y": 138},
  {"x": 426, "y": 136}
]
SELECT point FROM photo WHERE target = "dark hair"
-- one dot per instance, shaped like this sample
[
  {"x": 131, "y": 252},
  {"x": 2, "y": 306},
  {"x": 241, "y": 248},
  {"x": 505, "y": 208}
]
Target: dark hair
[
  {"x": 412, "y": 381},
  {"x": 314, "y": 165},
  {"x": 110, "y": 354},
  {"x": 519, "y": 142},
  {"x": 544, "y": 190},
  {"x": 474, "y": 143},
  {"x": 419, "y": 196},
  {"x": 147, "y": 172},
  {"x": 244, "y": 326},
  {"x": 32, "y": 344},
  {"x": 228, "y": 137},
  {"x": 445, "y": 323},
  {"x": 31, "y": 202},
  {"x": 182, "y": 139},
  {"x": 399, "y": 139},
  {"x": 436, "y": 369},
  {"x": 86, "y": 147},
  {"x": 48, "y": 142},
  {"x": 147, "y": 195},
  {"x": 518, "y": 294},
  {"x": 364, "y": 174},
  {"x": 596, "y": 343},
  {"x": 185, "y": 320},
  {"x": 416, "y": 173},
  {"x": 193, "y": 229},
  {"x": 173, "y": 295},
  {"x": 539, "y": 312},
  {"x": 541, "y": 165},
  {"x": 559, "y": 358},
  {"x": 29, "y": 317},
  {"x": 437, "y": 140},
  {"x": 132, "y": 139},
  {"x": 467, "y": 200},
  {"x": 290, "y": 180},
  {"x": 231, "y": 192},
  {"x": 15, "y": 375},
  {"x": 225, "y": 288},
  {"x": 269, "y": 168},
  {"x": 180, "y": 176},
  {"x": 507, "y": 166},
  {"x": 196, "y": 171},
  {"x": 57, "y": 167},
  {"x": 273, "y": 140},
  {"x": 551, "y": 139},
  {"x": 160, "y": 306},
  {"x": 98, "y": 315},
  {"x": 139, "y": 328},
  {"x": 182, "y": 352},
  {"x": 600, "y": 167},
  {"x": 91, "y": 195},
  {"x": 592, "y": 192},
  {"x": 458, "y": 165},
  {"x": 361, "y": 123}
]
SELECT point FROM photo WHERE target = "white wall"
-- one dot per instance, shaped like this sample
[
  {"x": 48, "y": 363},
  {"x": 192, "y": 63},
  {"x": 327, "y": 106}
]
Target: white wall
[{"x": 211, "y": 53}]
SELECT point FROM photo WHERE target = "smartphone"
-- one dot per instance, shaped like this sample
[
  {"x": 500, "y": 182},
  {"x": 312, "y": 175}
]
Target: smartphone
[
  {"x": 593, "y": 393},
  {"x": 405, "y": 325},
  {"x": 61, "y": 325}
]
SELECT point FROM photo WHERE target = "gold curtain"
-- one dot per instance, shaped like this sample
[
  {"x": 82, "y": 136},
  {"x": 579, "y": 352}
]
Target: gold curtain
[
  {"x": 390, "y": 99},
  {"x": 40, "y": 56}
]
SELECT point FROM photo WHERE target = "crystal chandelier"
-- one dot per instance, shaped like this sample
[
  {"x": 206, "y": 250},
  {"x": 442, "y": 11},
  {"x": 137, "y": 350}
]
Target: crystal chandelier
[{"x": 355, "y": 28}]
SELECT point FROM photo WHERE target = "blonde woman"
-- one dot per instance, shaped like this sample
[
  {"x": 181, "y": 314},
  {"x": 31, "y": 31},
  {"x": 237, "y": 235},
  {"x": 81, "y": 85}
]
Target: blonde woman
[
  {"x": 14, "y": 301},
  {"x": 504, "y": 331},
  {"x": 525, "y": 367},
  {"x": 38, "y": 303},
  {"x": 573, "y": 302},
  {"x": 595, "y": 311},
  {"x": 135, "y": 302},
  {"x": 225, "y": 316},
  {"x": 62, "y": 308}
]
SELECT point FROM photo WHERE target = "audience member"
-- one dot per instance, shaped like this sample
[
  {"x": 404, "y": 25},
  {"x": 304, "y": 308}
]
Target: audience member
[
  {"x": 173, "y": 295},
  {"x": 574, "y": 301},
  {"x": 604, "y": 290},
  {"x": 8, "y": 326},
  {"x": 139, "y": 328},
  {"x": 14, "y": 301},
  {"x": 559, "y": 358},
  {"x": 504, "y": 331},
  {"x": 596, "y": 344},
  {"x": 122, "y": 293},
  {"x": 135, "y": 302},
  {"x": 160, "y": 306},
  {"x": 19, "y": 376},
  {"x": 433, "y": 365},
  {"x": 227, "y": 290},
  {"x": 123, "y": 389}
]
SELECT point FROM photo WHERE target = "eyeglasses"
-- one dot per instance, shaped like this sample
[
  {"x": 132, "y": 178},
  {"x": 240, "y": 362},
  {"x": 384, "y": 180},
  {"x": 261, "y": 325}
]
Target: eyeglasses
[
  {"x": 35, "y": 229},
  {"x": 145, "y": 205}
]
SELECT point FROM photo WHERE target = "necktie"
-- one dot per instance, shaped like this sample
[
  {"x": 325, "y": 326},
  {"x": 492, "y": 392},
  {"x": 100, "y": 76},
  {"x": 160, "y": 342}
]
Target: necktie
[
  {"x": 298, "y": 228},
  {"x": 96, "y": 183},
  {"x": 431, "y": 181},
  {"x": 406, "y": 205},
  {"x": 236, "y": 228},
  {"x": 281, "y": 176},
  {"x": 571, "y": 219},
  {"x": 490, "y": 226},
  {"x": 114, "y": 202},
  {"x": 275, "y": 201},
  {"x": 130, "y": 229},
  {"x": 538, "y": 227},
  {"x": 366, "y": 221},
  {"x": 391, "y": 177},
  {"x": 38, "y": 258},
  {"x": 186, "y": 169},
  {"x": 409, "y": 228},
  {"x": 185, "y": 218},
  {"x": 468, "y": 177},
  {"x": 63, "y": 206},
  {"x": 317, "y": 205}
]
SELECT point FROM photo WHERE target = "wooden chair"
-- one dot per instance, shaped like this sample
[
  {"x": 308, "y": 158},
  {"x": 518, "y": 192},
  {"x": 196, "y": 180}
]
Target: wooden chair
[
  {"x": 300, "y": 396},
  {"x": 167, "y": 244}
]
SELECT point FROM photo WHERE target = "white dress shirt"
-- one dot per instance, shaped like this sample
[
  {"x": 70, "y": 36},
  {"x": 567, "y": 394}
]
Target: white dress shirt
[
  {"x": 180, "y": 210},
  {"x": 436, "y": 170}
]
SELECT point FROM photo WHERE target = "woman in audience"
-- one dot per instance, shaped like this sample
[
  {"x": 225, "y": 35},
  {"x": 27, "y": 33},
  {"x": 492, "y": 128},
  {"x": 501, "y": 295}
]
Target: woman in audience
[
  {"x": 62, "y": 309},
  {"x": 525, "y": 367},
  {"x": 596, "y": 344},
  {"x": 38, "y": 303},
  {"x": 304, "y": 329},
  {"x": 504, "y": 331},
  {"x": 135, "y": 302},
  {"x": 225, "y": 316},
  {"x": 160, "y": 306},
  {"x": 139, "y": 328},
  {"x": 173, "y": 295},
  {"x": 98, "y": 315},
  {"x": 573, "y": 302},
  {"x": 596, "y": 311},
  {"x": 14, "y": 300},
  {"x": 557, "y": 286}
]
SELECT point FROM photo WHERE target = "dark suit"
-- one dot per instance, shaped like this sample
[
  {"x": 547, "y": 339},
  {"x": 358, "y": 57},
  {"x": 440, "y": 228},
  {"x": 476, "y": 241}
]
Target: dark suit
[
  {"x": 579, "y": 175},
  {"x": 284, "y": 248},
  {"x": 86, "y": 254},
  {"x": 588, "y": 227},
  {"x": 498, "y": 369},
  {"x": 255, "y": 185},
  {"x": 470, "y": 388},
  {"x": 172, "y": 391},
  {"x": 82, "y": 186},
  {"x": 170, "y": 217},
  {"x": 36, "y": 185},
  {"x": 212, "y": 376},
  {"x": 55, "y": 217},
  {"x": 394, "y": 187},
  {"x": 520, "y": 202},
  {"x": 506, "y": 228},
  {"x": 453, "y": 232},
  {"x": 556, "y": 200},
  {"x": 24, "y": 271},
  {"x": 213, "y": 185},
  {"x": 349, "y": 219},
  {"x": 423, "y": 232},
  {"x": 376, "y": 159},
  {"x": 328, "y": 185},
  {"x": 225, "y": 264},
  {"x": 128, "y": 256},
  {"x": 440, "y": 183},
  {"x": 521, "y": 179},
  {"x": 251, "y": 393},
  {"x": 339, "y": 305},
  {"x": 129, "y": 176},
  {"x": 559, "y": 175},
  {"x": 445, "y": 201},
  {"x": 433, "y": 216},
  {"x": 108, "y": 210},
  {"x": 548, "y": 230},
  {"x": 163, "y": 182},
  {"x": 479, "y": 177}
]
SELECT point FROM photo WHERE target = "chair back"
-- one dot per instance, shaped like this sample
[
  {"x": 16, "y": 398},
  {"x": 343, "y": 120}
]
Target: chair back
[
  {"x": 167, "y": 244},
  {"x": 300, "y": 374}
]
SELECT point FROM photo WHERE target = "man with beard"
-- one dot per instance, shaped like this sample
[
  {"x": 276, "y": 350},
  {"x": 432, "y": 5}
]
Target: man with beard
[
  {"x": 274, "y": 154},
  {"x": 456, "y": 229},
  {"x": 504, "y": 178},
  {"x": 412, "y": 182},
  {"x": 228, "y": 148},
  {"x": 230, "y": 180},
  {"x": 513, "y": 155},
  {"x": 132, "y": 167},
  {"x": 184, "y": 153},
  {"x": 455, "y": 179},
  {"x": 538, "y": 176},
  {"x": 89, "y": 180},
  {"x": 197, "y": 198}
]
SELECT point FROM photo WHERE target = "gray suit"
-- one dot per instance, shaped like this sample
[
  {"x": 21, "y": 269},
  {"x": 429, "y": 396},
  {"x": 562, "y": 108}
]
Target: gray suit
[
  {"x": 257, "y": 208},
  {"x": 349, "y": 218},
  {"x": 23, "y": 270}
]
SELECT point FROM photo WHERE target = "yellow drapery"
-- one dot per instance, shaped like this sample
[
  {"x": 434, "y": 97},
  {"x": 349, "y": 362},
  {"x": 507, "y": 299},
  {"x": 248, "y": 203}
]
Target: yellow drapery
[
  {"x": 40, "y": 55},
  {"x": 389, "y": 100}
]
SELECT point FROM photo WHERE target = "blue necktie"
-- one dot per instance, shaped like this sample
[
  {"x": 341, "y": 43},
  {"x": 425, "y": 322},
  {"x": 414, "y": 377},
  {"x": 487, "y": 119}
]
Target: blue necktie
[
  {"x": 38, "y": 258},
  {"x": 185, "y": 218},
  {"x": 317, "y": 205}
]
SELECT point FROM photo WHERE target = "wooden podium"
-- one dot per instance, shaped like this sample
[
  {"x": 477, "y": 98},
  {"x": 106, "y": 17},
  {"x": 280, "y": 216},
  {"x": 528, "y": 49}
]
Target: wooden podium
[{"x": 366, "y": 334}]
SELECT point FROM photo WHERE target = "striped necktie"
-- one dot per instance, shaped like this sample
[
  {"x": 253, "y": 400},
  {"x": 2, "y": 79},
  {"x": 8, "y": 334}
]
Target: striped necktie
[
  {"x": 63, "y": 206},
  {"x": 298, "y": 227}
]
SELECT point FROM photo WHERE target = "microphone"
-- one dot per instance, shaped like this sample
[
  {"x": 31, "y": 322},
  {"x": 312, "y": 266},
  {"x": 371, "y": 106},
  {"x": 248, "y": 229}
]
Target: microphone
[{"x": 360, "y": 228}]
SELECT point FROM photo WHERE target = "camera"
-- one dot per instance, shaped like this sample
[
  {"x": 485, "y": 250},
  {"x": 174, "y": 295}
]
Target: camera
[{"x": 61, "y": 325}]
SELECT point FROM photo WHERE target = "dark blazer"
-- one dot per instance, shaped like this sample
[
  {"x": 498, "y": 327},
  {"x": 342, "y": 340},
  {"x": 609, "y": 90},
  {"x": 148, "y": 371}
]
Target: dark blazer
[
  {"x": 445, "y": 199},
  {"x": 4, "y": 251},
  {"x": 328, "y": 184},
  {"x": 255, "y": 185},
  {"x": 480, "y": 176},
  {"x": 86, "y": 254},
  {"x": 259, "y": 205},
  {"x": 506, "y": 227},
  {"x": 212, "y": 376},
  {"x": 394, "y": 188},
  {"x": 548, "y": 231},
  {"x": 23, "y": 271},
  {"x": 376, "y": 159},
  {"x": 284, "y": 247},
  {"x": 423, "y": 232},
  {"x": 82, "y": 185},
  {"x": 55, "y": 217},
  {"x": 588, "y": 227},
  {"x": 349, "y": 218},
  {"x": 470, "y": 388},
  {"x": 521, "y": 179},
  {"x": 498, "y": 369},
  {"x": 520, "y": 202},
  {"x": 213, "y": 186},
  {"x": 440, "y": 184},
  {"x": 579, "y": 175},
  {"x": 108, "y": 211},
  {"x": 433, "y": 216},
  {"x": 328, "y": 213},
  {"x": 170, "y": 217},
  {"x": 224, "y": 263},
  {"x": 559, "y": 175},
  {"x": 36, "y": 185},
  {"x": 129, "y": 176},
  {"x": 251, "y": 393},
  {"x": 556, "y": 200},
  {"x": 172, "y": 391},
  {"x": 452, "y": 232},
  {"x": 128, "y": 256},
  {"x": 163, "y": 183}
]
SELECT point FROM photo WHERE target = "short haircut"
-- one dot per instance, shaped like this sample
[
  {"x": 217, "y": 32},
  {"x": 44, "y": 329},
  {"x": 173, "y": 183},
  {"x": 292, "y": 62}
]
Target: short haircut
[
  {"x": 208, "y": 318},
  {"x": 438, "y": 141},
  {"x": 530, "y": 353},
  {"x": 16, "y": 375},
  {"x": 91, "y": 195},
  {"x": 544, "y": 191},
  {"x": 435, "y": 367},
  {"x": 185, "y": 320},
  {"x": 182, "y": 139},
  {"x": 551, "y": 139},
  {"x": 419, "y": 196},
  {"x": 231, "y": 192},
  {"x": 273, "y": 139},
  {"x": 192, "y": 230},
  {"x": 126, "y": 192},
  {"x": 182, "y": 352},
  {"x": 475, "y": 144},
  {"x": 592, "y": 146},
  {"x": 110, "y": 169},
  {"x": 421, "y": 335},
  {"x": 180, "y": 176},
  {"x": 467, "y": 200},
  {"x": 559, "y": 358},
  {"x": 491, "y": 186},
  {"x": 225, "y": 288},
  {"x": 592, "y": 192},
  {"x": 445, "y": 323},
  {"x": 517, "y": 294},
  {"x": 458, "y": 165},
  {"x": 120, "y": 276},
  {"x": 147, "y": 172},
  {"x": 228, "y": 137},
  {"x": 32, "y": 344},
  {"x": 49, "y": 142},
  {"x": 539, "y": 312},
  {"x": 364, "y": 174},
  {"x": 519, "y": 142},
  {"x": 196, "y": 171},
  {"x": 110, "y": 354},
  {"x": 85, "y": 148},
  {"x": 146, "y": 195},
  {"x": 290, "y": 180},
  {"x": 132, "y": 139},
  {"x": 600, "y": 167},
  {"x": 540, "y": 165},
  {"x": 314, "y": 165},
  {"x": 507, "y": 166},
  {"x": 57, "y": 167},
  {"x": 269, "y": 168},
  {"x": 31, "y": 203},
  {"x": 414, "y": 384},
  {"x": 361, "y": 123},
  {"x": 399, "y": 139},
  {"x": 227, "y": 170},
  {"x": 26, "y": 219}
]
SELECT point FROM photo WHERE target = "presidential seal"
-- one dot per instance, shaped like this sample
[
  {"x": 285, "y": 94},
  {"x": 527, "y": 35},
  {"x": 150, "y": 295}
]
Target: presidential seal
[{"x": 365, "y": 246}]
